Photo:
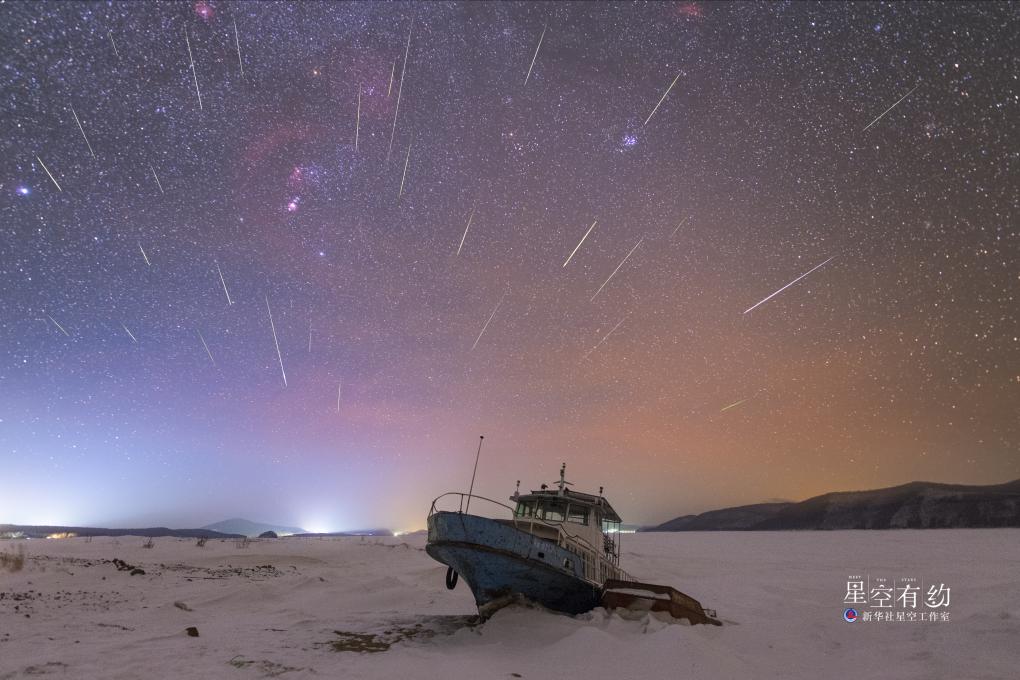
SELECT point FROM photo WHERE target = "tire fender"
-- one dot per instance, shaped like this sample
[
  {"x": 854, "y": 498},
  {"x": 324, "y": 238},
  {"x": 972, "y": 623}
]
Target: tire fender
[{"x": 451, "y": 578}]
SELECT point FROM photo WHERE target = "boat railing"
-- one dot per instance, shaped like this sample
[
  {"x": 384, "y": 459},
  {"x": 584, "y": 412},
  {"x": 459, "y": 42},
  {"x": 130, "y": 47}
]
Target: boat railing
[
  {"x": 465, "y": 502},
  {"x": 595, "y": 566}
]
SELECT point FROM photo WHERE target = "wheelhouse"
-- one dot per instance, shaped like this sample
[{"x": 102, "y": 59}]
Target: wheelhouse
[
  {"x": 581, "y": 516},
  {"x": 572, "y": 507}
]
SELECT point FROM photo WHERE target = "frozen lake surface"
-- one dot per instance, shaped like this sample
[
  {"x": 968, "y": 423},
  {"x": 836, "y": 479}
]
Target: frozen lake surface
[{"x": 378, "y": 608}]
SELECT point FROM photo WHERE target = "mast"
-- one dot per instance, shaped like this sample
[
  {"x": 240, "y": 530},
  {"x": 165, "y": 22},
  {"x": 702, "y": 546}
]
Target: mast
[{"x": 477, "y": 454}]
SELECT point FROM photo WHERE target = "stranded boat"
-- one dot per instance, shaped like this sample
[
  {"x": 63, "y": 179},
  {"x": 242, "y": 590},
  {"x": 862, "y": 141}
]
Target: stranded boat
[{"x": 557, "y": 547}]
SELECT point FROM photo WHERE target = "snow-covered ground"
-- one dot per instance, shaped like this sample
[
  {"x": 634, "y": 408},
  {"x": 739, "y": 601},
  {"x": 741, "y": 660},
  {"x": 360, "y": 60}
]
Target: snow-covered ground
[{"x": 378, "y": 608}]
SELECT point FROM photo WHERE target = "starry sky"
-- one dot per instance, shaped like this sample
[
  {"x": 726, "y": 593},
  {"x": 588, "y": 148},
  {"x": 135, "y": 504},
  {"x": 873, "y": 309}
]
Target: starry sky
[{"x": 288, "y": 261}]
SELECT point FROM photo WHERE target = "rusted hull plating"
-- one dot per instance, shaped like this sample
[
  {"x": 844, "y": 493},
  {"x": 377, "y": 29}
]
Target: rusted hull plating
[{"x": 501, "y": 563}]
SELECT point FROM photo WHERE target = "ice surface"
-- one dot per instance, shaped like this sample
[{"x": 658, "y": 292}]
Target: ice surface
[{"x": 378, "y": 608}]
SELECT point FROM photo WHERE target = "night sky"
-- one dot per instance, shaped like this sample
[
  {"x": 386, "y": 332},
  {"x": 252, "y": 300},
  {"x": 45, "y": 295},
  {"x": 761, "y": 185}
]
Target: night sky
[{"x": 414, "y": 270}]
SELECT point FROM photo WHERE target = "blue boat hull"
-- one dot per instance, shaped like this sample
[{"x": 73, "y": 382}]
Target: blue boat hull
[{"x": 500, "y": 562}]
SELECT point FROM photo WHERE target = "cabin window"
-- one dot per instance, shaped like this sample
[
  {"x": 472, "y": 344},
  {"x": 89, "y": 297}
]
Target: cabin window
[
  {"x": 554, "y": 512},
  {"x": 525, "y": 509},
  {"x": 578, "y": 514},
  {"x": 609, "y": 526}
]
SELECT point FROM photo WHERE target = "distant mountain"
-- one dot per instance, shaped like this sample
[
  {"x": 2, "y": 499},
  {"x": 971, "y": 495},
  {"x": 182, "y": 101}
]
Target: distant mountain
[
  {"x": 742, "y": 517},
  {"x": 246, "y": 527},
  {"x": 356, "y": 532},
  {"x": 917, "y": 505},
  {"x": 33, "y": 531}
]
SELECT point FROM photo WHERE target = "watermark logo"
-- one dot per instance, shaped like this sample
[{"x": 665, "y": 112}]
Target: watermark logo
[{"x": 878, "y": 598}]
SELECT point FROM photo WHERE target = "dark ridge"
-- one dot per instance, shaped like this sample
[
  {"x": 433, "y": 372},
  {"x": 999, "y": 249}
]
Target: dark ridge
[
  {"x": 917, "y": 505},
  {"x": 31, "y": 531}
]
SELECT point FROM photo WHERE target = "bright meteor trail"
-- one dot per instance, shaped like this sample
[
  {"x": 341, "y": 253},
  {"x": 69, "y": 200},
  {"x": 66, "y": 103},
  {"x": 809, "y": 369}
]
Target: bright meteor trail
[
  {"x": 194, "y": 74},
  {"x": 663, "y": 98},
  {"x": 616, "y": 270},
  {"x": 537, "y": 48},
  {"x": 206, "y": 347},
  {"x": 357, "y": 120},
  {"x": 276, "y": 342},
  {"x": 237, "y": 42},
  {"x": 58, "y": 325},
  {"x": 400, "y": 88},
  {"x": 158, "y": 183},
  {"x": 82, "y": 132},
  {"x": 229, "y": 301},
  {"x": 580, "y": 242},
  {"x": 789, "y": 284},
  {"x": 733, "y": 405},
  {"x": 891, "y": 107},
  {"x": 49, "y": 173},
  {"x": 472, "y": 217},
  {"x": 682, "y": 222},
  {"x": 487, "y": 321}
]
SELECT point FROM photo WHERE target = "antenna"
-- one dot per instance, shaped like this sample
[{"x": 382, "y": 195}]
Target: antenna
[
  {"x": 471, "y": 489},
  {"x": 563, "y": 482}
]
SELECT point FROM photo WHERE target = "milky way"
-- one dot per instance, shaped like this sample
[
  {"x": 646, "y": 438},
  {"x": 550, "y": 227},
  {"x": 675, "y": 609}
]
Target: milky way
[{"x": 260, "y": 147}]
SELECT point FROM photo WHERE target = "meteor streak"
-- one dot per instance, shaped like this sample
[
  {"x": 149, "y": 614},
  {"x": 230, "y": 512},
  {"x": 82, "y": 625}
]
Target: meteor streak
[
  {"x": 663, "y": 98},
  {"x": 144, "y": 255},
  {"x": 466, "y": 228},
  {"x": 129, "y": 332},
  {"x": 494, "y": 310},
  {"x": 604, "y": 338},
  {"x": 193, "y": 73},
  {"x": 276, "y": 342},
  {"x": 789, "y": 284},
  {"x": 616, "y": 270},
  {"x": 891, "y": 107},
  {"x": 157, "y": 179},
  {"x": 682, "y": 222},
  {"x": 229, "y": 301},
  {"x": 206, "y": 347},
  {"x": 406, "y": 161},
  {"x": 237, "y": 42},
  {"x": 340, "y": 385},
  {"x": 58, "y": 325},
  {"x": 733, "y": 405},
  {"x": 114, "y": 45},
  {"x": 400, "y": 88},
  {"x": 49, "y": 173},
  {"x": 537, "y": 48},
  {"x": 357, "y": 121},
  {"x": 83, "y": 132},
  {"x": 580, "y": 242}
]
